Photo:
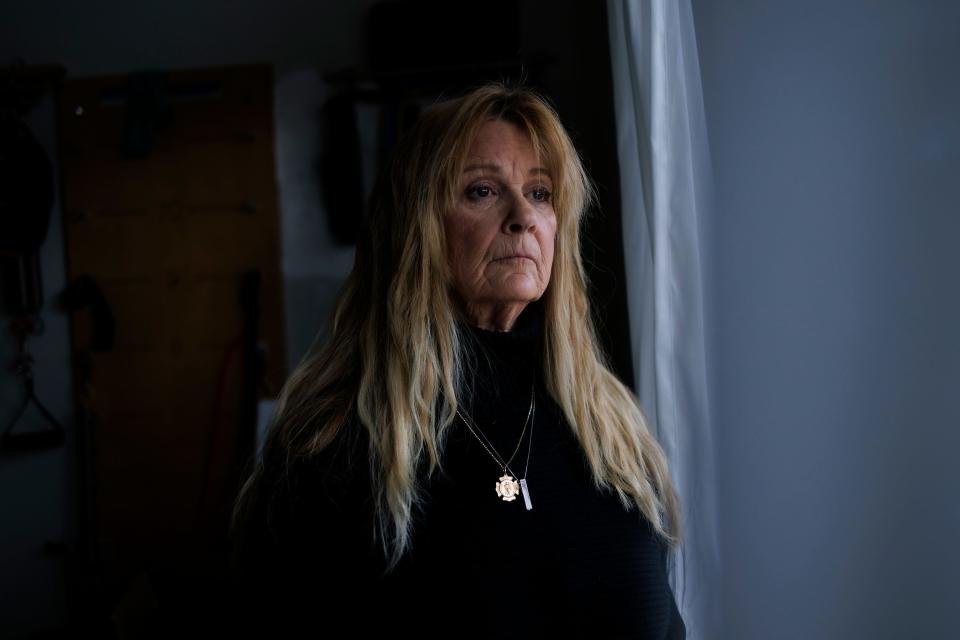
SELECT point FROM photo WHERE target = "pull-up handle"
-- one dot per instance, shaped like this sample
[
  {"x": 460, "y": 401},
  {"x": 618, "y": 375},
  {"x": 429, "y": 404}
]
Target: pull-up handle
[{"x": 34, "y": 440}]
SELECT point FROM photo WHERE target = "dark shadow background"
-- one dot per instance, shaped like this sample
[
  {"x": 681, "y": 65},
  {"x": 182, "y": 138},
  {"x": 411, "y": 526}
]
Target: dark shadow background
[{"x": 346, "y": 78}]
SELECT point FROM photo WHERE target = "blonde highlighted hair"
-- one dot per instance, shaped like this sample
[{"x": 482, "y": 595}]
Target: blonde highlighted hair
[{"x": 392, "y": 363}]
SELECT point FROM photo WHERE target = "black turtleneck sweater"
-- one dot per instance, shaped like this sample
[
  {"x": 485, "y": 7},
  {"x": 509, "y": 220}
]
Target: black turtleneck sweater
[{"x": 577, "y": 565}]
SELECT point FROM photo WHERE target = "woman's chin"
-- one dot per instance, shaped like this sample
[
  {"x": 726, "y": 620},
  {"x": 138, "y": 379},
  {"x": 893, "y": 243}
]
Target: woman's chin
[{"x": 518, "y": 292}]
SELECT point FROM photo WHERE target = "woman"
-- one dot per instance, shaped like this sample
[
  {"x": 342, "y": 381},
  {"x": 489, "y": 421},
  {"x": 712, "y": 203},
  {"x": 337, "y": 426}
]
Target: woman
[{"x": 456, "y": 459}]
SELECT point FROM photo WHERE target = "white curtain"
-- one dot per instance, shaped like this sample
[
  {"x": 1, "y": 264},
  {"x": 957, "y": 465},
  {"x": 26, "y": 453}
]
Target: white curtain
[{"x": 664, "y": 185}]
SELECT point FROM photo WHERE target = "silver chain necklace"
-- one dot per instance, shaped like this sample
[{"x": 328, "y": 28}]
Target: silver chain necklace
[{"x": 508, "y": 488}]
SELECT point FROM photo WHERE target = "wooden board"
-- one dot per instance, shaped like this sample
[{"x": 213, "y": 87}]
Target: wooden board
[{"x": 167, "y": 238}]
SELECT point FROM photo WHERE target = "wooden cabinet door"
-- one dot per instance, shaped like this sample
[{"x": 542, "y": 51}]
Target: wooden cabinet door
[{"x": 170, "y": 207}]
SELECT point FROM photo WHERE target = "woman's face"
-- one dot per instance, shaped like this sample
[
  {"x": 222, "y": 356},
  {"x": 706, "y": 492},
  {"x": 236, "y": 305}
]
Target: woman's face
[{"x": 501, "y": 229}]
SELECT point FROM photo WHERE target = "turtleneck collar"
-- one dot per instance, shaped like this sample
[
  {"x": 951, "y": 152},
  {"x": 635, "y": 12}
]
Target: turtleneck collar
[
  {"x": 501, "y": 365},
  {"x": 527, "y": 328}
]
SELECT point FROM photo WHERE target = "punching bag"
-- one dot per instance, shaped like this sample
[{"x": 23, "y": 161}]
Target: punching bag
[{"x": 26, "y": 197}]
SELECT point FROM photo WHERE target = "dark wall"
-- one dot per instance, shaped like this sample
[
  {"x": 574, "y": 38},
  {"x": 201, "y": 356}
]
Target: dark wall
[
  {"x": 305, "y": 41},
  {"x": 574, "y": 35}
]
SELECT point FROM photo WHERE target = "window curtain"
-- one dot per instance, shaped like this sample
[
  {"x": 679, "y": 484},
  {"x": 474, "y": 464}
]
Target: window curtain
[{"x": 664, "y": 184}]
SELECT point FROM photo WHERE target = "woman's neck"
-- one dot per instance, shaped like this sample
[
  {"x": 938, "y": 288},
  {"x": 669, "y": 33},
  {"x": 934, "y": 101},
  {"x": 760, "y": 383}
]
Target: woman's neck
[
  {"x": 501, "y": 365},
  {"x": 499, "y": 316}
]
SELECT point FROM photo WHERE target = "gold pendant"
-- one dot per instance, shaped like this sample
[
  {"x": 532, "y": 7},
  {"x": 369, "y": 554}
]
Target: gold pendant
[{"x": 508, "y": 488}]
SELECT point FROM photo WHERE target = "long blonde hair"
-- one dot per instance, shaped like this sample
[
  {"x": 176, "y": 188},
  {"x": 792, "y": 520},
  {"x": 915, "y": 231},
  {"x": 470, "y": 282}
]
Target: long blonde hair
[{"x": 392, "y": 363}]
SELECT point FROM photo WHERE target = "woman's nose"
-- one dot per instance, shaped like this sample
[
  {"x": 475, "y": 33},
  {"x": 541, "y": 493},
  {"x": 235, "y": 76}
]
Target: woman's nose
[{"x": 520, "y": 214}]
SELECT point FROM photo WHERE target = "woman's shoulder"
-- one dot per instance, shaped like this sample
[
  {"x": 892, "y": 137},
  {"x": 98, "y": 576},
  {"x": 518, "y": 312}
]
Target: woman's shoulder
[
  {"x": 332, "y": 478},
  {"x": 300, "y": 496},
  {"x": 308, "y": 538}
]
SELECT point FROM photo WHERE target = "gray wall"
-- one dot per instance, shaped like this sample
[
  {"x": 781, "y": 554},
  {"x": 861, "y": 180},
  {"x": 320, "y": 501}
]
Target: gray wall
[{"x": 835, "y": 139}]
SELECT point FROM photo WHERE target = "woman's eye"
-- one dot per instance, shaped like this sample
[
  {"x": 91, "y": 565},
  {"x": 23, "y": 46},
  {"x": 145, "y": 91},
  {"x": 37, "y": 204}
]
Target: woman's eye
[
  {"x": 541, "y": 194},
  {"x": 478, "y": 191}
]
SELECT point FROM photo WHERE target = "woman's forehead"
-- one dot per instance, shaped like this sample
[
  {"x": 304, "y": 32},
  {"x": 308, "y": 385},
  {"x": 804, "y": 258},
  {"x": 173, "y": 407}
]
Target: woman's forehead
[{"x": 500, "y": 146}]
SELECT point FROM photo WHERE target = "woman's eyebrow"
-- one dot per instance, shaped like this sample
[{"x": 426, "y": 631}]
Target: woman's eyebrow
[
  {"x": 482, "y": 167},
  {"x": 496, "y": 169}
]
